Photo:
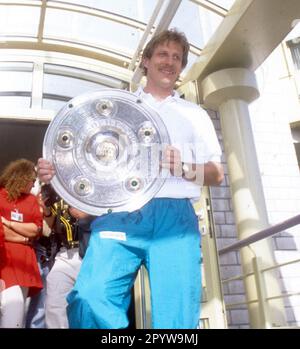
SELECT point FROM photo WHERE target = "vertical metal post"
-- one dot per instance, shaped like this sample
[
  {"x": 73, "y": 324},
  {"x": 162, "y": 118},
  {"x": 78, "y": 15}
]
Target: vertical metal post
[
  {"x": 142, "y": 300},
  {"x": 264, "y": 315}
]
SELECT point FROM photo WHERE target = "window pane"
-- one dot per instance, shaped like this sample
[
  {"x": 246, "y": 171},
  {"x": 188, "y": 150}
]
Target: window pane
[
  {"x": 196, "y": 22},
  {"x": 67, "y": 86},
  {"x": 224, "y": 3},
  {"x": 53, "y": 104},
  {"x": 140, "y": 10},
  {"x": 19, "y": 20},
  {"x": 295, "y": 50},
  {"x": 15, "y": 81},
  {"x": 90, "y": 30},
  {"x": 70, "y": 82},
  {"x": 13, "y": 102},
  {"x": 191, "y": 60}
]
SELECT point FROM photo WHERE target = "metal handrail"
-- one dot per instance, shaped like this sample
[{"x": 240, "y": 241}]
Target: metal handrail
[
  {"x": 262, "y": 298},
  {"x": 280, "y": 265},
  {"x": 243, "y": 276},
  {"x": 289, "y": 223}
]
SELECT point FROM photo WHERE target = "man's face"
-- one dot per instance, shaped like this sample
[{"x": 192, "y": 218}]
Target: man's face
[{"x": 165, "y": 65}]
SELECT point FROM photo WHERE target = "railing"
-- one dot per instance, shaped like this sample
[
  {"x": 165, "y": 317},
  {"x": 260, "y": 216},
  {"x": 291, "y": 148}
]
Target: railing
[{"x": 258, "y": 270}]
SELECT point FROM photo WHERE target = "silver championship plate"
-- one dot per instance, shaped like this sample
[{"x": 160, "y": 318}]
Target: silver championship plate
[{"x": 106, "y": 148}]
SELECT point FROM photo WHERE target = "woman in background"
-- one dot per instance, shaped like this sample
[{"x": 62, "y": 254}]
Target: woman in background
[
  {"x": 22, "y": 222},
  {"x": 1, "y": 244},
  {"x": 2, "y": 256}
]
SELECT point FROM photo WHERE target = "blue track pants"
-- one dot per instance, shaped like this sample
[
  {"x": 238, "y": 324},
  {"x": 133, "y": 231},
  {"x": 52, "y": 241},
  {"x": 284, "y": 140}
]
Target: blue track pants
[{"x": 164, "y": 236}]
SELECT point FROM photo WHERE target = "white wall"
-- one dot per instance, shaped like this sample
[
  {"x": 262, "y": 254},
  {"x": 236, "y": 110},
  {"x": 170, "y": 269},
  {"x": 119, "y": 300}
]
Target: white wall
[{"x": 270, "y": 116}]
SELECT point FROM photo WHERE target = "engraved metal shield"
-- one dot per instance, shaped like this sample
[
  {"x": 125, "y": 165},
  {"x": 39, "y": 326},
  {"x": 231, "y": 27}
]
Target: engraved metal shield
[{"x": 106, "y": 147}]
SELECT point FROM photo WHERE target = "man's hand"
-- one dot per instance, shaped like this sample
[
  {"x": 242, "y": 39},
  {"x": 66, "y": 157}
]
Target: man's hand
[
  {"x": 210, "y": 173},
  {"x": 172, "y": 161},
  {"x": 6, "y": 222},
  {"x": 45, "y": 170}
]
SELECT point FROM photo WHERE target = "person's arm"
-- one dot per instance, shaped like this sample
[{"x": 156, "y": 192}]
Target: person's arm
[
  {"x": 77, "y": 214},
  {"x": 213, "y": 173},
  {"x": 45, "y": 170},
  {"x": 29, "y": 230},
  {"x": 12, "y": 236},
  {"x": 48, "y": 220},
  {"x": 48, "y": 217},
  {"x": 210, "y": 173}
]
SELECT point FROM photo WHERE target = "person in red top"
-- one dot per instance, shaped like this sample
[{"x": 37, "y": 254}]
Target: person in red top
[
  {"x": 1, "y": 244},
  {"x": 22, "y": 222},
  {"x": 2, "y": 256}
]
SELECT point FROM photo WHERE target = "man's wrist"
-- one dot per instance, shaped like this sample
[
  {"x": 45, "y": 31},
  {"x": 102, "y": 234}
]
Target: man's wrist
[
  {"x": 184, "y": 169},
  {"x": 188, "y": 172}
]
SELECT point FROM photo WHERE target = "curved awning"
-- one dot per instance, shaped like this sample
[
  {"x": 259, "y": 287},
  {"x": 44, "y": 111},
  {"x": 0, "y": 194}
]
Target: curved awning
[{"x": 112, "y": 31}]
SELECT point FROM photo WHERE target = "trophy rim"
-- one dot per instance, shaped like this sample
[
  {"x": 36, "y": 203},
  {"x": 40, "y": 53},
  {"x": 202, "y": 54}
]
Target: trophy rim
[{"x": 134, "y": 201}]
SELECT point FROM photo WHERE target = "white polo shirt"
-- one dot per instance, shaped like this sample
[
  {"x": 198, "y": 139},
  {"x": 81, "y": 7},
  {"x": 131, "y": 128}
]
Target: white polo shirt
[{"x": 192, "y": 132}]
